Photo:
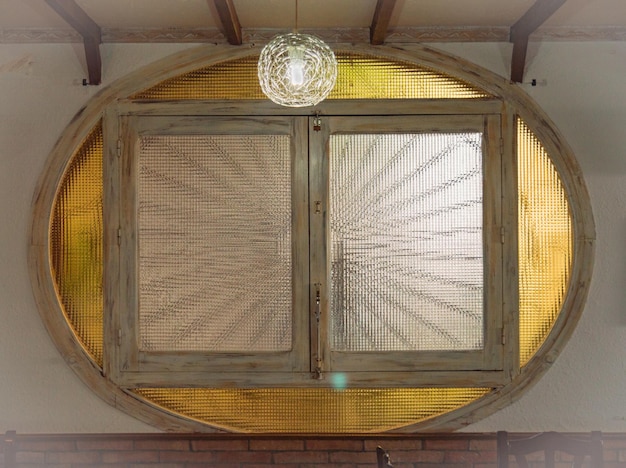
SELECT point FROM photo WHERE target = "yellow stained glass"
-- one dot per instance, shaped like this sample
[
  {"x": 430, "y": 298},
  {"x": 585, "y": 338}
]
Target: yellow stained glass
[
  {"x": 311, "y": 410},
  {"x": 358, "y": 77},
  {"x": 76, "y": 243},
  {"x": 545, "y": 242}
]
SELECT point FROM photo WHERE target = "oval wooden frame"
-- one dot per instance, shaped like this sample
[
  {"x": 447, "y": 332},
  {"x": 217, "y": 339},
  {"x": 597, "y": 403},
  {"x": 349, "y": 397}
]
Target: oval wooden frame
[{"x": 203, "y": 56}]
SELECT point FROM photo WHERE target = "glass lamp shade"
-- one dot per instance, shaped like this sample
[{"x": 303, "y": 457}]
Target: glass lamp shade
[{"x": 297, "y": 70}]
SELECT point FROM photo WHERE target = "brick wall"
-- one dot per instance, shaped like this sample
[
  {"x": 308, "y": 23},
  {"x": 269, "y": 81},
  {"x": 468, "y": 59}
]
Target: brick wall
[{"x": 454, "y": 450}]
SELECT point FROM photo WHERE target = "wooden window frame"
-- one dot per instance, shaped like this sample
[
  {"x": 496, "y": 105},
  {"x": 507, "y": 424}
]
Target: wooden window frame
[
  {"x": 396, "y": 364},
  {"x": 510, "y": 100},
  {"x": 125, "y": 364}
]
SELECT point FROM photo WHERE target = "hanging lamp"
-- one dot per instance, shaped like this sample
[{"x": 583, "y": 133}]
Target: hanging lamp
[{"x": 297, "y": 70}]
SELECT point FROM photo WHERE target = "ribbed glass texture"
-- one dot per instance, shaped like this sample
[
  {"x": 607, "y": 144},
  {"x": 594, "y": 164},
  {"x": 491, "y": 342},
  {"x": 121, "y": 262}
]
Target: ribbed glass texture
[
  {"x": 545, "y": 242},
  {"x": 358, "y": 77},
  {"x": 311, "y": 410},
  {"x": 76, "y": 243},
  {"x": 215, "y": 243},
  {"x": 367, "y": 77},
  {"x": 406, "y": 241}
]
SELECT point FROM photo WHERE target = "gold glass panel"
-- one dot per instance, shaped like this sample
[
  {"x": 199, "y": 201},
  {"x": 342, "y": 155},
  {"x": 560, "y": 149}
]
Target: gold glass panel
[
  {"x": 358, "y": 77},
  {"x": 545, "y": 242},
  {"x": 366, "y": 77},
  {"x": 76, "y": 243},
  {"x": 311, "y": 410}
]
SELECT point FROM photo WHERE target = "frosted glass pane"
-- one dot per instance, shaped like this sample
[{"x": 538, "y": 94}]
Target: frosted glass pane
[
  {"x": 406, "y": 242},
  {"x": 215, "y": 243}
]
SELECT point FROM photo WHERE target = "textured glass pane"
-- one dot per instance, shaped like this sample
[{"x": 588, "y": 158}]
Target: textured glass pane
[
  {"x": 215, "y": 243},
  {"x": 545, "y": 242},
  {"x": 358, "y": 77},
  {"x": 406, "y": 242},
  {"x": 76, "y": 243},
  {"x": 366, "y": 77},
  {"x": 311, "y": 410}
]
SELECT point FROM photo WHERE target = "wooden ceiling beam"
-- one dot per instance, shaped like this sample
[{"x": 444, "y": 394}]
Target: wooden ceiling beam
[
  {"x": 88, "y": 29},
  {"x": 230, "y": 21},
  {"x": 380, "y": 21},
  {"x": 523, "y": 28}
]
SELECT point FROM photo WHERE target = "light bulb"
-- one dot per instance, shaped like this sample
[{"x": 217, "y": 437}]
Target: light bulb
[
  {"x": 296, "y": 66},
  {"x": 296, "y": 72}
]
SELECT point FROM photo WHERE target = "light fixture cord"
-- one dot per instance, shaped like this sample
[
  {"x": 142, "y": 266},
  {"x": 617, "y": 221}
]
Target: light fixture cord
[{"x": 296, "y": 29}]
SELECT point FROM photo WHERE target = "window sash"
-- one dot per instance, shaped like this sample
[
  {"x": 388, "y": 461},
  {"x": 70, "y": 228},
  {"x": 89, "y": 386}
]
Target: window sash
[
  {"x": 491, "y": 356},
  {"x": 130, "y": 362},
  {"x": 130, "y": 366}
]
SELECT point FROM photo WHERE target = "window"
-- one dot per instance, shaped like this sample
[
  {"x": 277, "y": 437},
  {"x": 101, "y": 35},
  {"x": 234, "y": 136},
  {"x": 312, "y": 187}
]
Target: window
[
  {"x": 301, "y": 250},
  {"x": 209, "y": 277},
  {"x": 363, "y": 206}
]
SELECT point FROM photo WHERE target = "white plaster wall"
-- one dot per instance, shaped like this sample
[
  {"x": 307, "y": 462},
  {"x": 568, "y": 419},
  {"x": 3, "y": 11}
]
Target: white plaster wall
[{"x": 40, "y": 91}]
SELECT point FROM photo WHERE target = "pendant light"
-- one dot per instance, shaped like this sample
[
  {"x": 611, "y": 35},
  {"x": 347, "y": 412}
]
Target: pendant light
[{"x": 297, "y": 70}]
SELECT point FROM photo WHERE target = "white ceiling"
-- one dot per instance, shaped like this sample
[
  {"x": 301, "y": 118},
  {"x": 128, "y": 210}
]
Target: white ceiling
[{"x": 181, "y": 15}]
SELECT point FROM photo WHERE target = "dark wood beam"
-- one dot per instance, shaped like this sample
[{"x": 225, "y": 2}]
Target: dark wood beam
[
  {"x": 380, "y": 21},
  {"x": 94, "y": 61},
  {"x": 230, "y": 21},
  {"x": 523, "y": 28},
  {"x": 88, "y": 29}
]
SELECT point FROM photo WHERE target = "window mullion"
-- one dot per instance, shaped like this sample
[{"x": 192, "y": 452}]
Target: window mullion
[
  {"x": 495, "y": 235},
  {"x": 318, "y": 213},
  {"x": 300, "y": 226},
  {"x": 510, "y": 268}
]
